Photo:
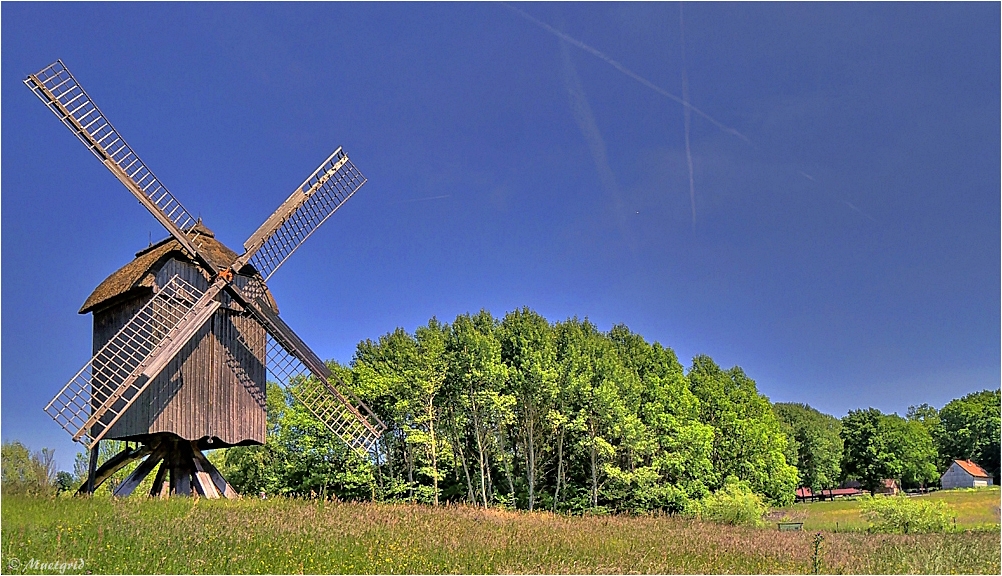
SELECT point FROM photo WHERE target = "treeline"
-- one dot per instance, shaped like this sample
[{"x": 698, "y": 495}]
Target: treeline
[
  {"x": 522, "y": 413},
  {"x": 869, "y": 446}
]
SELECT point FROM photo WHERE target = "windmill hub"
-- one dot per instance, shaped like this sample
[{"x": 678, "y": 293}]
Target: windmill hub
[{"x": 187, "y": 335}]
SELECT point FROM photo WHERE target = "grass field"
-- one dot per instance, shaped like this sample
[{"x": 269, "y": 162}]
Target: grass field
[
  {"x": 975, "y": 509},
  {"x": 290, "y": 536}
]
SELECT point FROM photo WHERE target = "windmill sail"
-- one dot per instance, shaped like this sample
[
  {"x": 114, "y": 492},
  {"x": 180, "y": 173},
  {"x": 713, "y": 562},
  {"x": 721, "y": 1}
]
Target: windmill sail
[
  {"x": 297, "y": 368},
  {"x": 337, "y": 408},
  {"x": 316, "y": 199},
  {"x": 97, "y": 396},
  {"x": 65, "y": 97}
]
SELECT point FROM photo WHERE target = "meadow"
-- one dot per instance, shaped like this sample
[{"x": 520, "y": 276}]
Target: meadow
[
  {"x": 306, "y": 536},
  {"x": 975, "y": 510}
]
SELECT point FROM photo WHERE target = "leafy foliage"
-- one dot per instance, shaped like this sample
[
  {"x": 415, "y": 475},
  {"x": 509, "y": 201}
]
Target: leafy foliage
[
  {"x": 748, "y": 440},
  {"x": 879, "y": 446},
  {"x": 904, "y": 515},
  {"x": 734, "y": 503},
  {"x": 29, "y": 473},
  {"x": 816, "y": 443},
  {"x": 968, "y": 429},
  {"x": 521, "y": 413}
]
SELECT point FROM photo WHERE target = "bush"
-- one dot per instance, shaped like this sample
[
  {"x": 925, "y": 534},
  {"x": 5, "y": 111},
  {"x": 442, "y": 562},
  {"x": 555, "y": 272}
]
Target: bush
[
  {"x": 27, "y": 473},
  {"x": 906, "y": 515},
  {"x": 735, "y": 503}
]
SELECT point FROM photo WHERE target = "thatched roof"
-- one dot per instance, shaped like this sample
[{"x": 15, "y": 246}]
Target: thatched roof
[{"x": 139, "y": 275}]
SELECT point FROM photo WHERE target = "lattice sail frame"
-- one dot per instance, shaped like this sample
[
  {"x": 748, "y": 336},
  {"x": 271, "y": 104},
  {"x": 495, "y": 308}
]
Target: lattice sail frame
[
  {"x": 345, "y": 415},
  {"x": 95, "y": 388},
  {"x": 326, "y": 190},
  {"x": 67, "y": 99}
]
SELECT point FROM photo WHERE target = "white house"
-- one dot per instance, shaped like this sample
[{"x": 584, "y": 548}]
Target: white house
[{"x": 965, "y": 474}]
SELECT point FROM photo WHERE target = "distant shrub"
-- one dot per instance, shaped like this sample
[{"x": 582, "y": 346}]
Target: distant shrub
[
  {"x": 64, "y": 482},
  {"x": 27, "y": 473},
  {"x": 905, "y": 515},
  {"x": 735, "y": 503}
]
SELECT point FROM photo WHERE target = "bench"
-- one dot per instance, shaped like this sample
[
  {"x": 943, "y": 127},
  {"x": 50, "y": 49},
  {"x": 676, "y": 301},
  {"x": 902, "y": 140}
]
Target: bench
[{"x": 790, "y": 526}]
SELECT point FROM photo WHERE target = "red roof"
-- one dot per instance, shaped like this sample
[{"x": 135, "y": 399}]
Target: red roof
[
  {"x": 844, "y": 491},
  {"x": 972, "y": 468},
  {"x": 806, "y": 492}
]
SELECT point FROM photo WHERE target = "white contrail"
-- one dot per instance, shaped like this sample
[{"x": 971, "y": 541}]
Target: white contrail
[
  {"x": 627, "y": 71},
  {"x": 421, "y": 199},
  {"x": 687, "y": 115},
  {"x": 683, "y": 101},
  {"x": 850, "y": 205},
  {"x": 585, "y": 119}
]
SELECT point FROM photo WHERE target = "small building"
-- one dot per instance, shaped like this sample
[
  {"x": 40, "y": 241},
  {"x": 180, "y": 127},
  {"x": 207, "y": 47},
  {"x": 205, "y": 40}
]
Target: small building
[
  {"x": 807, "y": 495},
  {"x": 965, "y": 474},
  {"x": 889, "y": 487},
  {"x": 844, "y": 493}
]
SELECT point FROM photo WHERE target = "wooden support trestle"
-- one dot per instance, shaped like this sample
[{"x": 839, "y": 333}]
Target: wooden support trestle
[{"x": 183, "y": 470}]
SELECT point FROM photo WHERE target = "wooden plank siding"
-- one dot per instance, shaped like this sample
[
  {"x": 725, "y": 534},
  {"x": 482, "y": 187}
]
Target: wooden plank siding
[{"x": 198, "y": 395}]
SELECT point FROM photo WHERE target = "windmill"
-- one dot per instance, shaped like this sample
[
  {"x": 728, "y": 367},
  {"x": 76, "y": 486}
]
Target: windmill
[{"x": 187, "y": 335}]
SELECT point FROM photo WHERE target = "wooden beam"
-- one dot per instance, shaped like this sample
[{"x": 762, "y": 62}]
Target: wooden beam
[
  {"x": 140, "y": 473},
  {"x": 92, "y": 469},
  {"x": 183, "y": 487},
  {"x": 286, "y": 209},
  {"x": 220, "y": 482},
  {"x": 114, "y": 464},
  {"x": 157, "y": 491}
]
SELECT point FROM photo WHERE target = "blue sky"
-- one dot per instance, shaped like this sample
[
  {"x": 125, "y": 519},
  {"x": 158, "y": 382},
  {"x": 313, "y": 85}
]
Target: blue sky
[{"x": 844, "y": 251}]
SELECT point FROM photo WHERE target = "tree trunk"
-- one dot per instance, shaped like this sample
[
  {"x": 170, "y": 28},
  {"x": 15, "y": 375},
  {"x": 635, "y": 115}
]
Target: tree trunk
[
  {"x": 594, "y": 467},
  {"x": 466, "y": 472},
  {"x": 560, "y": 467},
  {"x": 507, "y": 468},
  {"x": 434, "y": 460},
  {"x": 409, "y": 457},
  {"x": 530, "y": 454},
  {"x": 478, "y": 434},
  {"x": 490, "y": 481},
  {"x": 480, "y": 450}
]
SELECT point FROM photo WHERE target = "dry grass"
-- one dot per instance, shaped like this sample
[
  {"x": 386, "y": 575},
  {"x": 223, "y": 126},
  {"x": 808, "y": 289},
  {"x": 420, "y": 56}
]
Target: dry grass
[{"x": 288, "y": 536}]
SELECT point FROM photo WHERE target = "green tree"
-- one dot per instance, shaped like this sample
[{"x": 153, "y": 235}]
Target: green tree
[
  {"x": 866, "y": 456},
  {"x": 749, "y": 442},
  {"x": 24, "y": 472},
  {"x": 527, "y": 348},
  {"x": 969, "y": 430},
  {"x": 879, "y": 446},
  {"x": 912, "y": 445},
  {"x": 818, "y": 444},
  {"x": 476, "y": 390},
  {"x": 64, "y": 481},
  {"x": 600, "y": 397},
  {"x": 389, "y": 371},
  {"x": 673, "y": 455}
]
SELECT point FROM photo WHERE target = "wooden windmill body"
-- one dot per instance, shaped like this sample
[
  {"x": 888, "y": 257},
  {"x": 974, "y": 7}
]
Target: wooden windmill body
[
  {"x": 198, "y": 396},
  {"x": 187, "y": 335}
]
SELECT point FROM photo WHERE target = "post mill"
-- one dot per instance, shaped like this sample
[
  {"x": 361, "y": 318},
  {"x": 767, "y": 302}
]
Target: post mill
[{"x": 187, "y": 335}]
